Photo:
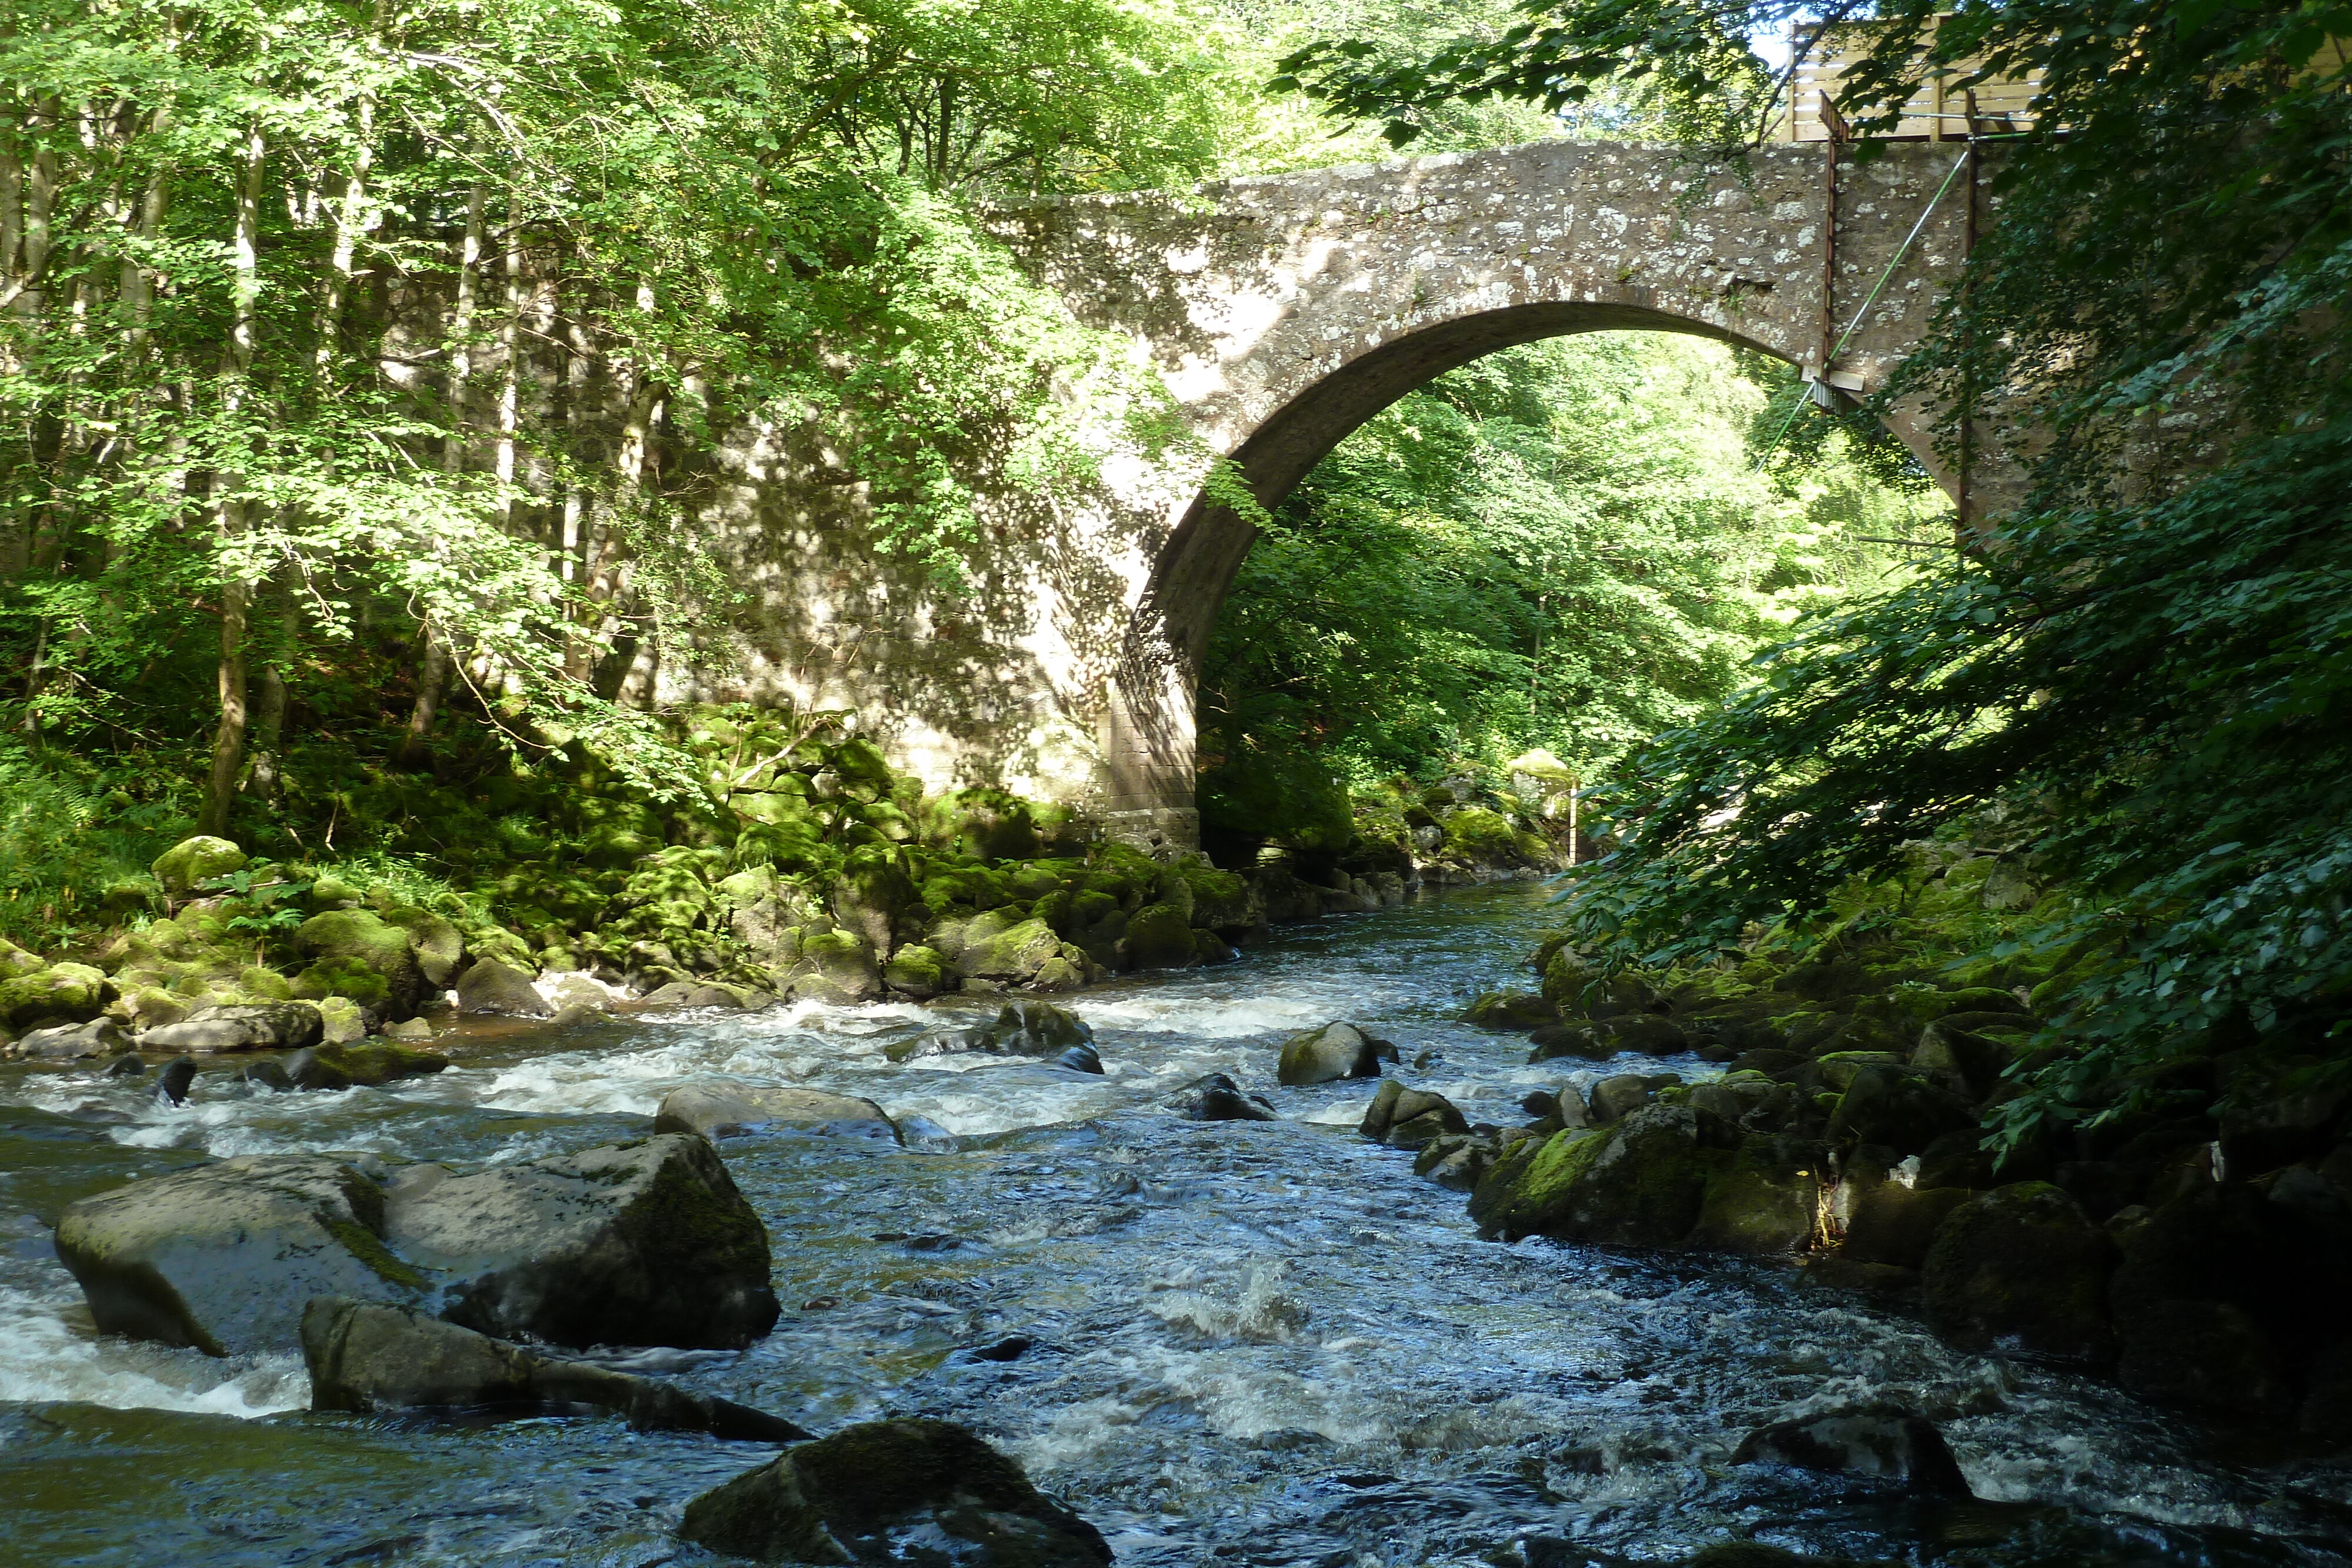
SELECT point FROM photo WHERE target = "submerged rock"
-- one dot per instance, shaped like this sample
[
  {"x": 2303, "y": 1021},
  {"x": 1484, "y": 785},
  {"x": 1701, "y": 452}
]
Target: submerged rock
[
  {"x": 1884, "y": 1442},
  {"x": 893, "y": 1492},
  {"x": 365, "y": 1356},
  {"x": 223, "y": 1257},
  {"x": 361, "y": 1065},
  {"x": 740, "y": 1110},
  {"x": 1326, "y": 1055},
  {"x": 1038, "y": 1030},
  {"x": 640, "y": 1243}
]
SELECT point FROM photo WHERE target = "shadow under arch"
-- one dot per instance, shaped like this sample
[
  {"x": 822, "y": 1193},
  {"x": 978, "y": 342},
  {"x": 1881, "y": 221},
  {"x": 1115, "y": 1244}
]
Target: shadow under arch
[{"x": 1155, "y": 703}]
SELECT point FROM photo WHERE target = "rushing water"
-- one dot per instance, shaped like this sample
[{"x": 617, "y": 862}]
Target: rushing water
[{"x": 1244, "y": 1343}]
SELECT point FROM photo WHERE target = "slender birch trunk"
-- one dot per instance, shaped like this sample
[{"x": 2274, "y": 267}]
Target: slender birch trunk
[{"x": 229, "y": 741}]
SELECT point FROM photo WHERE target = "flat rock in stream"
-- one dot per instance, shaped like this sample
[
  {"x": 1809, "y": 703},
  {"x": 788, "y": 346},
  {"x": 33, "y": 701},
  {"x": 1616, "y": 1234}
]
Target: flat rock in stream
[
  {"x": 365, "y": 1356},
  {"x": 223, "y": 1257},
  {"x": 243, "y": 1026},
  {"x": 740, "y": 1110},
  {"x": 72, "y": 1041},
  {"x": 893, "y": 1492}
]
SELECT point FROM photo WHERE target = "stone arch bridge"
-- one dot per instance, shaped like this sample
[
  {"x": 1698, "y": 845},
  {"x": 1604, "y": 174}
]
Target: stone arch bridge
[{"x": 1284, "y": 311}]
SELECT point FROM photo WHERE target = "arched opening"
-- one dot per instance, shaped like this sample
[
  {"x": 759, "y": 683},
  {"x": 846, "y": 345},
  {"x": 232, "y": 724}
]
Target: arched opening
[{"x": 1199, "y": 566}]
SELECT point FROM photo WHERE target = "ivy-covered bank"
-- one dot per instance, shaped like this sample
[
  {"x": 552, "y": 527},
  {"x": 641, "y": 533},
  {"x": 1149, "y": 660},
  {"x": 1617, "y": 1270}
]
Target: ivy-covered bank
[{"x": 805, "y": 868}]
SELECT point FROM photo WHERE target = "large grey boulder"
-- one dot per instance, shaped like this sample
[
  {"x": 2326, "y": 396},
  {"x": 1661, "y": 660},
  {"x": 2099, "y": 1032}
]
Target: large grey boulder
[
  {"x": 223, "y": 1257},
  {"x": 72, "y": 1041},
  {"x": 735, "y": 1111},
  {"x": 639, "y": 1243},
  {"x": 365, "y": 1356},
  {"x": 490, "y": 987},
  {"x": 1326, "y": 1055},
  {"x": 241, "y": 1026},
  {"x": 893, "y": 1492}
]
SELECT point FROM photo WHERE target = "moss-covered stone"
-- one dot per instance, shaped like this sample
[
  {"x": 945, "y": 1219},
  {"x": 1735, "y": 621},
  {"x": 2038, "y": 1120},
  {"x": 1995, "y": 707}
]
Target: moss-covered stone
[
  {"x": 1641, "y": 1183},
  {"x": 1159, "y": 937},
  {"x": 837, "y": 967},
  {"x": 2021, "y": 1265},
  {"x": 1510, "y": 1012},
  {"x": 198, "y": 860},
  {"x": 361, "y": 938},
  {"x": 919, "y": 972},
  {"x": 1010, "y": 954},
  {"x": 62, "y": 993}
]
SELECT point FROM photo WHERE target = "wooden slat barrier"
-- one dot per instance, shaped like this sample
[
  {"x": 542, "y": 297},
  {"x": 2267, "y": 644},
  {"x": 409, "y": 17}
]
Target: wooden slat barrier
[{"x": 1934, "y": 113}]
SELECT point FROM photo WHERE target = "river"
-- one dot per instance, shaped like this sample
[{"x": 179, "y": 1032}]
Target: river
[{"x": 1224, "y": 1342}]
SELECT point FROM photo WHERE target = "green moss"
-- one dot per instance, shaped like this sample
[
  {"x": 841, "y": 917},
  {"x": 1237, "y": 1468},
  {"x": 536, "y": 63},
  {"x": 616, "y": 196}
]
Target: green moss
[{"x": 369, "y": 1249}]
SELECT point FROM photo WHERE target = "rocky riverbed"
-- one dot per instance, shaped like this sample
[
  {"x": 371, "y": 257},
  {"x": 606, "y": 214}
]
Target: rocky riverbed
[{"x": 1259, "y": 1339}]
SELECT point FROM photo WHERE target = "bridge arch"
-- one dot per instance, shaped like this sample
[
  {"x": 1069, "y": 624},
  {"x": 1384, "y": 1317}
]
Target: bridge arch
[{"x": 1284, "y": 311}]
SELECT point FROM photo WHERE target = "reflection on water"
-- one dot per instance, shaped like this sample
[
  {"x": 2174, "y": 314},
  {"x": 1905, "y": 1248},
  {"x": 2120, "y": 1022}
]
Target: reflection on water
[{"x": 1244, "y": 1343}]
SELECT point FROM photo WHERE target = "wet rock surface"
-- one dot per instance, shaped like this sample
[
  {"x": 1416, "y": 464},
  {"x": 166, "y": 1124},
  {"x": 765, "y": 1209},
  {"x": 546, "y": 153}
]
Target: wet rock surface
[
  {"x": 894, "y": 1491},
  {"x": 369, "y": 1356}
]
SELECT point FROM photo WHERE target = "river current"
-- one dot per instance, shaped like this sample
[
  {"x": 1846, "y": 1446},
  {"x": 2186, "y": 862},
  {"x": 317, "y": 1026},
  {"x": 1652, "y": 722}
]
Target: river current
[{"x": 1224, "y": 1342}]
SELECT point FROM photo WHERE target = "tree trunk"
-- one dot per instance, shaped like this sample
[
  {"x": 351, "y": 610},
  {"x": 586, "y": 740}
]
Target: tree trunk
[
  {"x": 229, "y": 741},
  {"x": 432, "y": 679},
  {"x": 461, "y": 334}
]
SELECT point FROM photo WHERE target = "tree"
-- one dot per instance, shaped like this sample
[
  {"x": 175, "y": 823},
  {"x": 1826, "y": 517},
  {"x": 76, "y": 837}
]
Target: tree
[{"x": 2150, "y": 660}]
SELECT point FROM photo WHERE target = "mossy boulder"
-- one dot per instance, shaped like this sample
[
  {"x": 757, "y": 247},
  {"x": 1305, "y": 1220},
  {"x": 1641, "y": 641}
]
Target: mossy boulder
[
  {"x": 62, "y": 993},
  {"x": 16, "y": 963},
  {"x": 1894, "y": 1224},
  {"x": 1012, "y": 955},
  {"x": 362, "y": 939},
  {"x": 348, "y": 979},
  {"x": 361, "y": 1064},
  {"x": 871, "y": 893},
  {"x": 982, "y": 822},
  {"x": 917, "y": 971},
  {"x": 1665, "y": 1175},
  {"x": 439, "y": 946},
  {"x": 1764, "y": 1201},
  {"x": 194, "y": 861},
  {"x": 1159, "y": 937},
  {"x": 1891, "y": 1106},
  {"x": 2024, "y": 1267},
  {"x": 1510, "y": 1012},
  {"x": 859, "y": 1495},
  {"x": 257, "y": 1026},
  {"x": 837, "y": 967}
]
